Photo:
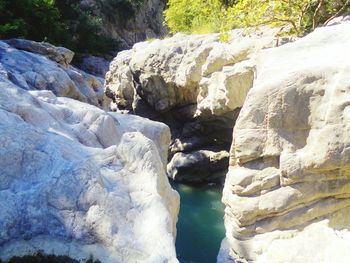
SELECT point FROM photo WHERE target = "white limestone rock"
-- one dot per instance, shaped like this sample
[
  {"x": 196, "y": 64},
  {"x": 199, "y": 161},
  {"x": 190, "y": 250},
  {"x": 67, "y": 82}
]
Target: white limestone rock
[
  {"x": 195, "y": 84},
  {"x": 184, "y": 70},
  {"x": 44, "y": 66},
  {"x": 288, "y": 188},
  {"x": 61, "y": 55},
  {"x": 75, "y": 180}
]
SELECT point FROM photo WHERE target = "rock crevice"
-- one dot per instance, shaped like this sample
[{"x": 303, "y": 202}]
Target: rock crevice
[{"x": 196, "y": 85}]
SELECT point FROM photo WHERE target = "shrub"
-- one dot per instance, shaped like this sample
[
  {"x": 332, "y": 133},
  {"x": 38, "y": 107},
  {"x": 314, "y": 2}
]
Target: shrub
[
  {"x": 60, "y": 22},
  {"x": 23, "y": 18},
  {"x": 194, "y": 16},
  {"x": 301, "y": 16}
]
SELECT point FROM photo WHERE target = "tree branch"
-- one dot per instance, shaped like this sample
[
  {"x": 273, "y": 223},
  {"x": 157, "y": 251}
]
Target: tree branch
[
  {"x": 341, "y": 10},
  {"x": 315, "y": 17}
]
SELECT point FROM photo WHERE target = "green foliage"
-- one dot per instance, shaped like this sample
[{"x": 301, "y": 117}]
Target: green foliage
[
  {"x": 118, "y": 9},
  {"x": 300, "y": 16},
  {"x": 270, "y": 12},
  {"x": 83, "y": 29},
  {"x": 21, "y": 18},
  {"x": 194, "y": 16},
  {"x": 60, "y": 22}
]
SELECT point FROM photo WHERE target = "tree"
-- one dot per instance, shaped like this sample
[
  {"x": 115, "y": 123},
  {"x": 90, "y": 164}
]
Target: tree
[
  {"x": 194, "y": 16},
  {"x": 60, "y": 22},
  {"x": 22, "y": 18},
  {"x": 301, "y": 15}
]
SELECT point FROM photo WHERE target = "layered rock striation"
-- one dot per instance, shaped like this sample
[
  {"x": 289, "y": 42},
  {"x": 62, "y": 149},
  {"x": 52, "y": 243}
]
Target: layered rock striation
[
  {"x": 195, "y": 84},
  {"x": 288, "y": 187},
  {"x": 76, "y": 180}
]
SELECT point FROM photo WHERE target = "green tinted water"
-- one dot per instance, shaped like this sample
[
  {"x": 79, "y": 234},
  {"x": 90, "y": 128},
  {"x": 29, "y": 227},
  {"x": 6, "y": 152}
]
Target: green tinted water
[{"x": 200, "y": 228}]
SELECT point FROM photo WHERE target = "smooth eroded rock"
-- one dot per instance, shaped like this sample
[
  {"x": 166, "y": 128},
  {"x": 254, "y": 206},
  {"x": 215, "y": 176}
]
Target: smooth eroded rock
[
  {"x": 32, "y": 65},
  {"x": 61, "y": 55},
  {"x": 77, "y": 181}
]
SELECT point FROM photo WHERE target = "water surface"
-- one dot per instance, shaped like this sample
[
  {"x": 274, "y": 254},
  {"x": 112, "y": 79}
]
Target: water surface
[{"x": 200, "y": 228}]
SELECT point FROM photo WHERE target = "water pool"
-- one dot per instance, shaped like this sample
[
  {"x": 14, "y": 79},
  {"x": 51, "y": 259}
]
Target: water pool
[{"x": 200, "y": 228}]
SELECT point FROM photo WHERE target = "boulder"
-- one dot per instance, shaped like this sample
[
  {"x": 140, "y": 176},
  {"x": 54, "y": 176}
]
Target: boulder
[
  {"x": 60, "y": 55},
  {"x": 198, "y": 166},
  {"x": 93, "y": 65},
  {"x": 39, "y": 68},
  {"x": 288, "y": 186},
  {"x": 195, "y": 84},
  {"x": 78, "y": 181}
]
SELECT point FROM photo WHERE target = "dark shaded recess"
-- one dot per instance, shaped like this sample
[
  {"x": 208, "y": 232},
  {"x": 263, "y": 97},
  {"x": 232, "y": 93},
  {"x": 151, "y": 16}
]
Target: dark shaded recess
[{"x": 42, "y": 258}]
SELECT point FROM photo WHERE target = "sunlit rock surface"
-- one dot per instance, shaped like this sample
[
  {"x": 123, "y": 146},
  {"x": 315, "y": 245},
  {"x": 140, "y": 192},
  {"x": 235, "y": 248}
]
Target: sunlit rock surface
[
  {"x": 195, "y": 84},
  {"x": 77, "y": 181},
  {"x": 41, "y": 66},
  {"x": 287, "y": 191}
]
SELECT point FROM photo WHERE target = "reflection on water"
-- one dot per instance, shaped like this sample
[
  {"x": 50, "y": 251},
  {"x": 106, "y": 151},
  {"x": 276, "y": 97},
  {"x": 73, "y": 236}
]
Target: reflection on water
[{"x": 200, "y": 228}]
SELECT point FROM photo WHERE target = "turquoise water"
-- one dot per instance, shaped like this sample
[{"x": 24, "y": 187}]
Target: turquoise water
[{"x": 200, "y": 228}]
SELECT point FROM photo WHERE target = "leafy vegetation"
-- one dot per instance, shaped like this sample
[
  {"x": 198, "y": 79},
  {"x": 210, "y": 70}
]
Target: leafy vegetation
[
  {"x": 300, "y": 16},
  {"x": 194, "y": 16},
  {"x": 62, "y": 22}
]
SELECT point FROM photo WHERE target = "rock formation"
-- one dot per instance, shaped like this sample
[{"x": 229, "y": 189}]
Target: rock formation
[
  {"x": 74, "y": 179},
  {"x": 195, "y": 84},
  {"x": 38, "y": 66},
  {"x": 130, "y": 21},
  {"x": 287, "y": 191},
  {"x": 93, "y": 65}
]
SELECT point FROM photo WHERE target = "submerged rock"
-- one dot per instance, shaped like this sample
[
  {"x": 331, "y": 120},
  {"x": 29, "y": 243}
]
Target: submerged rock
[
  {"x": 41, "y": 66},
  {"x": 288, "y": 188},
  {"x": 77, "y": 181},
  {"x": 195, "y": 84}
]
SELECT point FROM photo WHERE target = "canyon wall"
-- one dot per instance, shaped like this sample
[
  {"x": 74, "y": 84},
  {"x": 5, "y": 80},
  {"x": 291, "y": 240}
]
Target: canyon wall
[
  {"x": 196, "y": 85},
  {"x": 130, "y": 21},
  {"x": 288, "y": 186}
]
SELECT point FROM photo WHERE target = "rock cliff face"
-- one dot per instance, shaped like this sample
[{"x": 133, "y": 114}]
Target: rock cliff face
[
  {"x": 76, "y": 180},
  {"x": 287, "y": 191},
  {"x": 130, "y": 21},
  {"x": 41, "y": 66},
  {"x": 196, "y": 85}
]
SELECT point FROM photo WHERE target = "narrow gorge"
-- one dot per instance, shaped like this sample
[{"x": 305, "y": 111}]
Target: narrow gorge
[{"x": 186, "y": 148}]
